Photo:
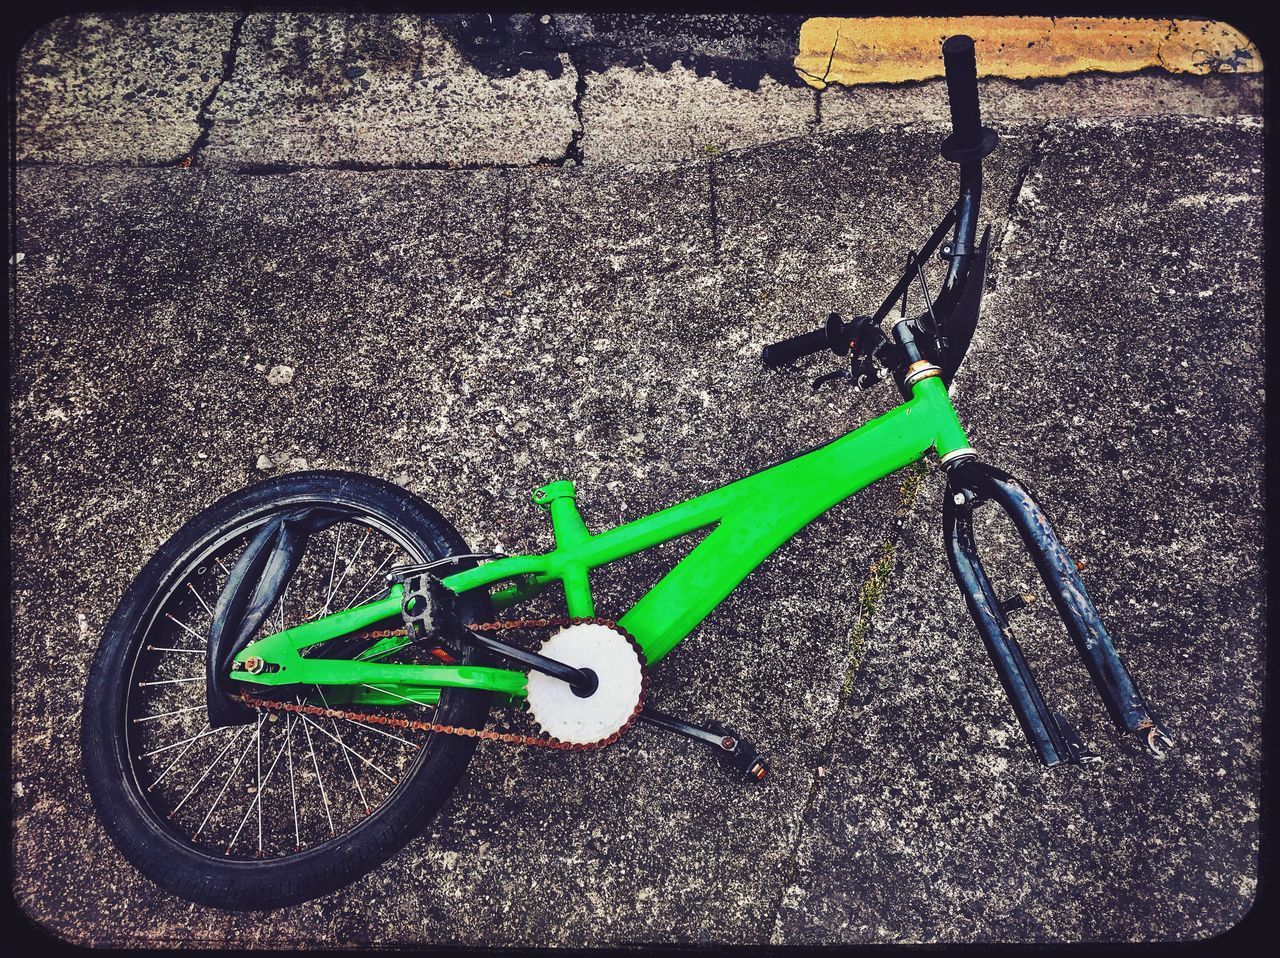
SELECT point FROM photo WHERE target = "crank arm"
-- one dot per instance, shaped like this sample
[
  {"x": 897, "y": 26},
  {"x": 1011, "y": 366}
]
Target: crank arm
[
  {"x": 737, "y": 751},
  {"x": 584, "y": 681}
]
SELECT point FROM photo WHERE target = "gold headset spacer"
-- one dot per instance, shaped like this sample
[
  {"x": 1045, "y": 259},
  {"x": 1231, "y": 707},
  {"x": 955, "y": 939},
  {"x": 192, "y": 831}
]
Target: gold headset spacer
[{"x": 920, "y": 369}]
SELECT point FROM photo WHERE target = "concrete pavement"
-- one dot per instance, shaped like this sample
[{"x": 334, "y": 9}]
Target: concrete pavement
[
  {"x": 260, "y": 91},
  {"x": 487, "y": 277}
]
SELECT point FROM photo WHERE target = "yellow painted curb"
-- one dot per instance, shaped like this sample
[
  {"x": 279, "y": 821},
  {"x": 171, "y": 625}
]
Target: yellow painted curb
[{"x": 851, "y": 51}]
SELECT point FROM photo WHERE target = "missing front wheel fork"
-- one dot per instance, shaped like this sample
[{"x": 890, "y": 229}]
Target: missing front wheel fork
[{"x": 1048, "y": 732}]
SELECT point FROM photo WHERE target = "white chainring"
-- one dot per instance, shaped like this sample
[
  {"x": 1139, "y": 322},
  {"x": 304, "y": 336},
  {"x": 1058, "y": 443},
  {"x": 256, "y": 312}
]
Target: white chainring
[{"x": 617, "y": 663}]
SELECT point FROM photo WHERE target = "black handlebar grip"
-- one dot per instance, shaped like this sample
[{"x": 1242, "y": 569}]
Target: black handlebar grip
[
  {"x": 962, "y": 91},
  {"x": 789, "y": 350}
]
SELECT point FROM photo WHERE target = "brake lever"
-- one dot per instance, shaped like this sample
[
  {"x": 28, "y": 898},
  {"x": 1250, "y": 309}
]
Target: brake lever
[
  {"x": 830, "y": 377},
  {"x": 868, "y": 363},
  {"x": 863, "y": 374}
]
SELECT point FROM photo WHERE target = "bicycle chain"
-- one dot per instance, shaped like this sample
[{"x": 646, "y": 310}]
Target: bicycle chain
[{"x": 511, "y": 738}]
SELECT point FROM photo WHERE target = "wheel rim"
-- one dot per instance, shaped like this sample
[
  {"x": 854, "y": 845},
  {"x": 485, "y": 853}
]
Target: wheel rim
[{"x": 285, "y": 784}]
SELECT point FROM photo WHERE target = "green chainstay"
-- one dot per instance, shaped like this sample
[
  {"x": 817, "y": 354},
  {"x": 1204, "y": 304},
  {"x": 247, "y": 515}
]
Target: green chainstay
[{"x": 510, "y": 738}]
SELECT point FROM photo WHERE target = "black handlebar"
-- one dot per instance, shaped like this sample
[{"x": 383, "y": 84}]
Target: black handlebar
[
  {"x": 968, "y": 143},
  {"x": 789, "y": 350},
  {"x": 833, "y": 336},
  {"x": 962, "y": 91},
  {"x": 969, "y": 139}
]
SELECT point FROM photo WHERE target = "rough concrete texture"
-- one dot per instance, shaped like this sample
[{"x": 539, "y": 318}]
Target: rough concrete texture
[
  {"x": 381, "y": 90},
  {"x": 117, "y": 88},
  {"x": 319, "y": 90},
  {"x": 472, "y": 334},
  {"x": 632, "y": 116},
  {"x": 1133, "y": 409},
  {"x": 676, "y": 115},
  {"x": 1089, "y": 96}
]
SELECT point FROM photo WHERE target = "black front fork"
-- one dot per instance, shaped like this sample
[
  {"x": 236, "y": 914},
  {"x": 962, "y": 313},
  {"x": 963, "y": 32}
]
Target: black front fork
[{"x": 971, "y": 483}]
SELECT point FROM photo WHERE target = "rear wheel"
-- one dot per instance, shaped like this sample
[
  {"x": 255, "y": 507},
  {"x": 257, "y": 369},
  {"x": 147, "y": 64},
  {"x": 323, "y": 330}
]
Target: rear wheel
[{"x": 288, "y": 806}]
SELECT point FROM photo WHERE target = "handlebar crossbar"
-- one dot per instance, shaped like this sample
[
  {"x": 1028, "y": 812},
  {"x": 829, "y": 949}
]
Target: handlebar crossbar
[{"x": 967, "y": 145}]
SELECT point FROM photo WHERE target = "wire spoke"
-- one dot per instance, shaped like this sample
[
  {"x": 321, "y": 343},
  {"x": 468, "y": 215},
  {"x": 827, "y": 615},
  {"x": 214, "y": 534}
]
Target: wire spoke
[
  {"x": 351, "y": 768},
  {"x": 348, "y": 751},
  {"x": 193, "y": 678},
  {"x": 163, "y": 648},
  {"x": 257, "y": 734},
  {"x": 160, "y": 715},
  {"x": 182, "y": 625},
  {"x": 346, "y": 570},
  {"x": 170, "y": 766},
  {"x": 257, "y": 795},
  {"x": 372, "y": 576},
  {"x": 374, "y": 728},
  {"x": 293, "y": 790},
  {"x": 319, "y": 781},
  {"x": 217, "y": 758},
  {"x": 200, "y": 598},
  {"x": 333, "y": 571},
  {"x": 257, "y": 798},
  {"x": 395, "y": 694},
  {"x": 194, "y": 738}
]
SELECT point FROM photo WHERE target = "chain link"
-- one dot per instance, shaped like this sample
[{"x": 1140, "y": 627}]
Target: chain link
[{"x": 488, "y": 735}]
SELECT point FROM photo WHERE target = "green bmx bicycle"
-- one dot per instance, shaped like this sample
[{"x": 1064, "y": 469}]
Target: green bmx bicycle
[{"x": 294, "y": 683}]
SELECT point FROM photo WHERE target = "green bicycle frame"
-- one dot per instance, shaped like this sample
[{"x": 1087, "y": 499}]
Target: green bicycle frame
[{"x": 752, "y": 518}]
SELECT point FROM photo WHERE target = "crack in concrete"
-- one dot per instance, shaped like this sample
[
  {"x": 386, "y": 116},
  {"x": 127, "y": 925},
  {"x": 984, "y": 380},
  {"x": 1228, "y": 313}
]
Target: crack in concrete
[
  {"x": 574, "y": 150},
  {"x": 830, "y": 59},
  {"x": 869, "y": 594},
  {"x": 1034, "y": 159},
  {"x": 203, "y": 120},
  {"x": 713, "y": 210},
  {"x": 1031, "y": 165},
  {"x": 1160, "y": 47},
  {"x": 831, "y": 56}
]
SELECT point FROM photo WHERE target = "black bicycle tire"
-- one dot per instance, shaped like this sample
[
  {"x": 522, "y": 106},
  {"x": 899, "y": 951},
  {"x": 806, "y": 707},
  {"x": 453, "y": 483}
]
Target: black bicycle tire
[{"x": 248, "y": 885}]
